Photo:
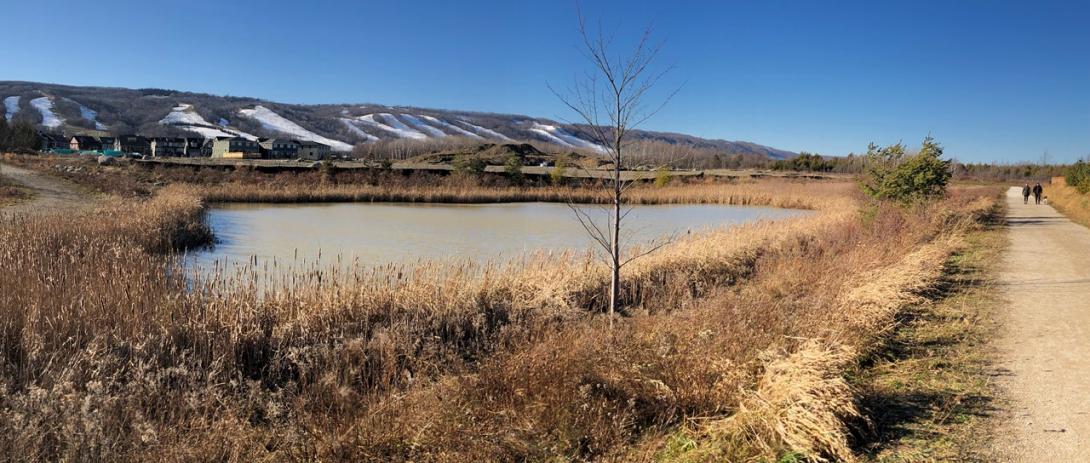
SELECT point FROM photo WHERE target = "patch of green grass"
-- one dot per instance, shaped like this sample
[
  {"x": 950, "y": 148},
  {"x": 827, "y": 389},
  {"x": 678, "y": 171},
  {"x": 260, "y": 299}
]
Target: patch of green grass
[
  {"x": 683, "y": 447},
  {"x": 677, "y": 445},
  {"x": 929, "y": 392}
]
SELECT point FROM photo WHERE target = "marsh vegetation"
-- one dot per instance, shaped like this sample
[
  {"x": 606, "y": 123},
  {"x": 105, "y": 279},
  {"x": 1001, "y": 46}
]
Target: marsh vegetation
[{"x": 732, "y": 343}]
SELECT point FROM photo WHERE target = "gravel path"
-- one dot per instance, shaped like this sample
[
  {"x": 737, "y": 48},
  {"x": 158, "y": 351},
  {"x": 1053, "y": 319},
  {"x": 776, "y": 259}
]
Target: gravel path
[
  {"x": 50, "y": 193},
  {"x": 1045, "y": 346}
]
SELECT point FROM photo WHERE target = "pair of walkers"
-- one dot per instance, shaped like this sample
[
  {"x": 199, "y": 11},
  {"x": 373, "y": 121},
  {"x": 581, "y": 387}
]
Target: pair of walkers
[{"x": 1037, "y": 191}]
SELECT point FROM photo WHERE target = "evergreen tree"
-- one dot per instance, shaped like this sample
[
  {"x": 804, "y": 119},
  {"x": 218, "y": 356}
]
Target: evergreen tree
[
  {"x": 5, "y": 135},
  {"x": 891, "y": 175},
  {"x": 24, "y": 137}
]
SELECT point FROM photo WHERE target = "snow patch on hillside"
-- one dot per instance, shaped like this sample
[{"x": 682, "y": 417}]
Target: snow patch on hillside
[
  {"x": 423, "y": 126},
  {"x": 487, "y": 133},
  {"x": 91, "y": 116},
  {"x": 351, "y": 124},
  {"x": 449, "y": 126},
  {"x": 11, "y": 106},
  {"x": 273, "y": 121},
  {"x": 44, "y": 105},
  {"x": 396, "y": 123},
  {"x": 183, "y": 114},
  {"x": 562, "y": 137},
  {"x": 184, "y": 117},
  {"x": 379, "y": 121}
]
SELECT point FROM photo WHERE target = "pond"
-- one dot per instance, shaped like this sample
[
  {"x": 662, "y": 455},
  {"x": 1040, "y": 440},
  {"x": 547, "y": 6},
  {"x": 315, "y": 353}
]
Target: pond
[{"x": 401, "y": 233}]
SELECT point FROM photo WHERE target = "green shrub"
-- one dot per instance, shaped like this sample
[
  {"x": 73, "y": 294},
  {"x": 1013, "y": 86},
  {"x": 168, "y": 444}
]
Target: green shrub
[
  {"x": 1078, "y": 176},
  {"x": 892, "y": 175},
  {"x": 469, "y": 165},
  {"x": 662, "y": 176},
  {"x": 556, "y": 175},
  {"x": 513, "y": 168},
  {"x": 804, "y": 162}
]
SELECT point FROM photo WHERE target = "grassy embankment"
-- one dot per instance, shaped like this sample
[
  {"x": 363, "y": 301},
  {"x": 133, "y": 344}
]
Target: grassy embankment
[
  {"x": 930, "y": 390},
  {"x": 735, "y": 344},
  {"x": 1068, "y": 200}
]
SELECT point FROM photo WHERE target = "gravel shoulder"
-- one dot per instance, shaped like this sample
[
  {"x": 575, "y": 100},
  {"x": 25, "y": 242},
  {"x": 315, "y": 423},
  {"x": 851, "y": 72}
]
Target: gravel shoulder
[{"x": 1044, "y": 364}]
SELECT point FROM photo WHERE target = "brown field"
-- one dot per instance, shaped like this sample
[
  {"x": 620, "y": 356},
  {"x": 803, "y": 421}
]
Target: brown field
[
  {"x": 11, "y": 192},
  {"x": 733, "y": 345}
]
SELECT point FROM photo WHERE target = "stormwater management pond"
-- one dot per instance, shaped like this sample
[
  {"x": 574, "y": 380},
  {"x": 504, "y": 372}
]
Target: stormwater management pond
[{"x": 373, "y": 234}]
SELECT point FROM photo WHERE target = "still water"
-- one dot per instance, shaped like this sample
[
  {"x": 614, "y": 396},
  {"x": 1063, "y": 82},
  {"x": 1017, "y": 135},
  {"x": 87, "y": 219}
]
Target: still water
[{"x": 395, "y": 233}]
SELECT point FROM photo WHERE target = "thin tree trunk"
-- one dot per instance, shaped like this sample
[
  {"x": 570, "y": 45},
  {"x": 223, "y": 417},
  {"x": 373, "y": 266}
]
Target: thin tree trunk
[{"x": 615, "y": 238}]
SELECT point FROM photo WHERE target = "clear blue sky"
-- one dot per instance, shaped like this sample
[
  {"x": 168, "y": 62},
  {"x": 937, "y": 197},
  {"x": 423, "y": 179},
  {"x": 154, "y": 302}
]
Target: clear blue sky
[{"x": 992, "y": 80}]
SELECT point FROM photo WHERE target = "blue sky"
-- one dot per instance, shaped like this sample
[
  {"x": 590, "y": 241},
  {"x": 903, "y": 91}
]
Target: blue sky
[{"x": 991, "y": 80}]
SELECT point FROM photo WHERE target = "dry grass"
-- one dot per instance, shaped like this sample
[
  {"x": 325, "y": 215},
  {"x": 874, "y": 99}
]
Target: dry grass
[
  {"x": 779, "y": 193},
  {"x": 928, "y": 393},
  {"x": 1074, "y": 205},
  {"x": 111, "y": 353},
  {"x": 250, "y": 185},
  {"x": 11, "y": 192},
  {"x": 798, "y": 408}
]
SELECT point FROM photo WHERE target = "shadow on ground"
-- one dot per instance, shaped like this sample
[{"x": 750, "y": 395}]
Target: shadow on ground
[{"x": 933, "y": 372}]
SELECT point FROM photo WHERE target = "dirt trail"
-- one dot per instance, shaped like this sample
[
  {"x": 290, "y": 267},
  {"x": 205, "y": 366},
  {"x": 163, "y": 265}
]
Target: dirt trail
[
  {"x": 50, "y": 193},
  {"x": 1045, "y": 364}
]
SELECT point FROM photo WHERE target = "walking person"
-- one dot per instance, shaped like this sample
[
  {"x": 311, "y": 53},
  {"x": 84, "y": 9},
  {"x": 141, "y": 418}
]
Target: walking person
[
  {"x": 1037, "y": 192},
  {"x": 1025, "y": 194}
]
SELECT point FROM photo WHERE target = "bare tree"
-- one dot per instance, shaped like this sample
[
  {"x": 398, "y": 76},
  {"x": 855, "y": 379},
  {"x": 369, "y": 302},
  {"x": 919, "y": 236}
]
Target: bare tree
[{"x": 609, "y": 101}]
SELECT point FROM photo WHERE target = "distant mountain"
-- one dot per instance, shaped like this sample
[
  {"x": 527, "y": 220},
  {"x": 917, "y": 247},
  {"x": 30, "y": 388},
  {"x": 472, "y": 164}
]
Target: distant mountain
[{"x": 159, "y": 112}]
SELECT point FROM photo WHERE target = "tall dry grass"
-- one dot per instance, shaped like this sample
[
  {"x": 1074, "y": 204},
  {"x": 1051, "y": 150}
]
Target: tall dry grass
[
  {"x": 587, "y": 396},
  {"x": 110, "y": 352},
  {"x": 774, "y": 193},
  {"x": 1067, "y": 200}
]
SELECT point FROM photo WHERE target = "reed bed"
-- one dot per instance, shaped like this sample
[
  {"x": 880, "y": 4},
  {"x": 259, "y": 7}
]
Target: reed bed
[
  {"x": 773, "y": 193},
  {"x": 111, "y": 352},
  {"x": 586, "y": 395}
]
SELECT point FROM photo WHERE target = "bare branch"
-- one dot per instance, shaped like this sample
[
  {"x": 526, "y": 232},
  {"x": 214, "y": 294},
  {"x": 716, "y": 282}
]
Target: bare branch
[
  {"x": 643, "y": 253},
  {"x": 610, "y": 101}
]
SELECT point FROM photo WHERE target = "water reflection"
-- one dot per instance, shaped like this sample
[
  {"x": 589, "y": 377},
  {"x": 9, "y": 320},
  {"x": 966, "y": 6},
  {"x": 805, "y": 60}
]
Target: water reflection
[{"x": 398, "y": 233}]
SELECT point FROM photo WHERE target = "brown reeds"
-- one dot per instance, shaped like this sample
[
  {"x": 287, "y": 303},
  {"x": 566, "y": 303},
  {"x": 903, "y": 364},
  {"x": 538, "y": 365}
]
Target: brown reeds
[
  {"x": 782, "y": 193},
  {"x": 111, "y": 352}
]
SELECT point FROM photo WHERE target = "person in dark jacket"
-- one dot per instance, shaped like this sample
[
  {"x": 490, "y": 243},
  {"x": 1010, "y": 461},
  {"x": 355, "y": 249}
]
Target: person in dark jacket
[
  {"x": 1037, "y": 192},
  {"x": 1025, "y": 194}
]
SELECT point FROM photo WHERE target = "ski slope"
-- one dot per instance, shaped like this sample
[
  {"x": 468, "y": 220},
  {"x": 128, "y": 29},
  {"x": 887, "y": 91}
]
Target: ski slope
[
  {"x": 44, "y": 105},
  {"x": 379, "y": 121},
  {"x": 446, "y": 125},
  {"x": 277, "y": 123},
  {"x": 11, "y": 106},
  {"x": 562, "y": 137},
  {"x": 91, "y": 116},
  {"x": 185, "y": 117},
  {"x": 422, "y": 126},
  {"x": 487, "y": 133},
  {"x": 352, "y": 127}
]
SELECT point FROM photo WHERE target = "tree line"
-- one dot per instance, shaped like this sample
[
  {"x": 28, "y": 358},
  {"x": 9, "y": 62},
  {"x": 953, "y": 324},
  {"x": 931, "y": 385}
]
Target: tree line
[
  {"x": 1078, "y": 176},
  {"x": 20, "y": 136}
]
